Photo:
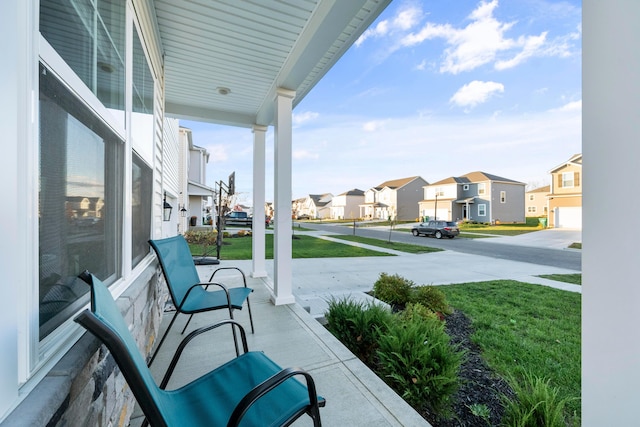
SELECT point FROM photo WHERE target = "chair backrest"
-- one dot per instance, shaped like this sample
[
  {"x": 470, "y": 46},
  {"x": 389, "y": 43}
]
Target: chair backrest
[
  {"x": 106, "y": 322},
  {"x": 177, "y": 265}
]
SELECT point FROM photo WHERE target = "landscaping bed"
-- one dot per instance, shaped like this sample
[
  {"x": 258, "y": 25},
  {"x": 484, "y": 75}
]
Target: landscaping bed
[{"x": 505, "y": 352}]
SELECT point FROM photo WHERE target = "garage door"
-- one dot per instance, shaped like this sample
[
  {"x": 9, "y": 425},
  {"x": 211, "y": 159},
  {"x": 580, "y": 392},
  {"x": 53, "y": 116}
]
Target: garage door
[{"x": 568, "y": 217}]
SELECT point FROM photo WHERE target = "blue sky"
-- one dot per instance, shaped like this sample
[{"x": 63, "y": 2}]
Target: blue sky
[{"x": 434, "y": 88}]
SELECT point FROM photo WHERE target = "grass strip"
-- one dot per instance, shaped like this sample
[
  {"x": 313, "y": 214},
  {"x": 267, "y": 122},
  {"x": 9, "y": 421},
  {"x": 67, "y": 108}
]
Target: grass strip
[
  {"x": 524, "y": 328},
  {"x": 574, "y": 278},
  {"x": 403, "y": 247}
]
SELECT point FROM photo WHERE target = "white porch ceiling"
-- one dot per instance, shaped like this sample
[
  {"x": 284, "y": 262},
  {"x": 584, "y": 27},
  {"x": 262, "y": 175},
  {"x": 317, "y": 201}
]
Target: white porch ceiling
[{"x": 252, "y": 48}]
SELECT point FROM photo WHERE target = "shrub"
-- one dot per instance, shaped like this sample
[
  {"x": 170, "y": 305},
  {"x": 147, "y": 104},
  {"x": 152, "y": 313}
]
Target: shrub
[
  {"x": 201, "y": 237},
  {"x": 418, "y": 361},
  {"x": 395, "y": 290},
  {"x": 536, "y": 404},
  {"x": 417, "y": 311},
  {"x": 358, "y": 326},
  {"x": 432, "y": 298}
]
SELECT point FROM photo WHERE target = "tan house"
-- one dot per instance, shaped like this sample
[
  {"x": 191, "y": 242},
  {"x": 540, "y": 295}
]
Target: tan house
[
  {"x": 535, "y": 201},
  {"x": 346, "y": 205},
  {"x": 394, "y": 199},
  {"x": 565, "y": 195}
]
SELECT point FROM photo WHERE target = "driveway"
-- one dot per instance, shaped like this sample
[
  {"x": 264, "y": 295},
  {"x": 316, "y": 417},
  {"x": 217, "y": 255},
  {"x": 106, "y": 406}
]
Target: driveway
[{"x": 552, "y": 238}]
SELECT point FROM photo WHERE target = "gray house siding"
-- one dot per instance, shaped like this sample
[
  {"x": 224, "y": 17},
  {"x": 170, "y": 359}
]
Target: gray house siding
[
  {"x": 512, "y": 209},
  {"x": 408, "y": 198}
]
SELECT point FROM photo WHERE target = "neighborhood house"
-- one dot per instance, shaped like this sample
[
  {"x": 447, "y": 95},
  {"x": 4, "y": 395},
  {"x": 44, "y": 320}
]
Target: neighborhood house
[
  {"x": 476, "y": 196},
  {"x": 396, "y": 199}
]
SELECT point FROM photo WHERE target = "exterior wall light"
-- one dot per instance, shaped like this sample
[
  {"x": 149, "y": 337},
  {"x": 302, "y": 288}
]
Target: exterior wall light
[{"x": 166, "y": 208}]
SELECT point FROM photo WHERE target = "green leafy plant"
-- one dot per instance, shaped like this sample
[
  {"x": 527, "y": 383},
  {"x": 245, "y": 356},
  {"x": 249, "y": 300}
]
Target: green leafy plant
[
  {"x": 418, "y": 361},
  {"x": 432, "y": 298},
  {"x": 481, "y": 410},
  {"x": 536, "y": 404},
  {"x": 358, "y": 326},
  {"x": 393, "y": 289}
]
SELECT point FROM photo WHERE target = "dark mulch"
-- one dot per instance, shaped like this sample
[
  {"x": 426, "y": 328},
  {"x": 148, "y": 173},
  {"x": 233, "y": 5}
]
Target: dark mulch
[{"x": 478, "y": 383}]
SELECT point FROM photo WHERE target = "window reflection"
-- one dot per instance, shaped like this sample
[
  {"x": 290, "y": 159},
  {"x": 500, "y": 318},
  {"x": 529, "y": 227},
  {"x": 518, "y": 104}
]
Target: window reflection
[{"x": 80, "y": 201}]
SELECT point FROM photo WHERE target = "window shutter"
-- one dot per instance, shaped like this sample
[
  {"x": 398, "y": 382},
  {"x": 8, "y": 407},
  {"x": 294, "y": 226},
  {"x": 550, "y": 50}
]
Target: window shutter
[
  {"x": 559, "y": 180},
  {"x": 576, "y": 179}
]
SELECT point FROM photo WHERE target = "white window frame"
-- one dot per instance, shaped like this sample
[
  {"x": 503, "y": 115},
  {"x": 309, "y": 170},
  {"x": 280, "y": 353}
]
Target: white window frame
[
  {"x": 36, "y": 357},
  {"x": 465, "y": 187},
  {"x": 568, "y": 180},
  {"x": 482, "y": 209},
  {"x": 531, "y": 197},
  {"x": 482, "y": 188},
  {"x": 532, "y": 209},
  {"x": 503, "y": 196}
]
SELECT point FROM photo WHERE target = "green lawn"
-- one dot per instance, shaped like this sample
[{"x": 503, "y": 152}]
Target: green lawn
[
  {"x": 302, "y": 246},
  {"x": 525, "y": 328}
]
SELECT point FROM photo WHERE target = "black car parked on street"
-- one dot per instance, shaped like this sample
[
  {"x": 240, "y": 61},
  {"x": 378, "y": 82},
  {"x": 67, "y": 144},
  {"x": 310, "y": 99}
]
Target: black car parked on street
[{"x": 436, "y": 229}]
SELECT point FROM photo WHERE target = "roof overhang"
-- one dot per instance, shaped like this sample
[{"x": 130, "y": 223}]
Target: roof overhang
[
  {"x": 195, "y": 189},
  {"x": 467, "y": 200},
  {"x": 224, "y": 61}
]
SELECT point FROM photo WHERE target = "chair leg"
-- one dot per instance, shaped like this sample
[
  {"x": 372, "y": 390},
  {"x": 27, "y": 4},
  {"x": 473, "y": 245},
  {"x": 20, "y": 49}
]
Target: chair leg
[
  {"x": 250, "y": 316},
  {"x": 187, "y": 324},
  {"x": 163, "y": 338}
]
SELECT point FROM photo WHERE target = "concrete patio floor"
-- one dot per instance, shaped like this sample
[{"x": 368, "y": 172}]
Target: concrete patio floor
[{"x": 292, "y": 338}]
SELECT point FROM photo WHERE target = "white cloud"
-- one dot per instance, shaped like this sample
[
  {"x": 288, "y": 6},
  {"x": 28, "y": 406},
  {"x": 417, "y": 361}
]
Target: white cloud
[
  {"x": 406, "y": 19},
  {"x": 373, "y": 125},
  {"x": 530, "y": 46},
  {"x": 484, "y": 41},
  {"x": 475, "y": 93},
  {"x": 569, "y": 107},
  {"x": 304, "y": 117}
]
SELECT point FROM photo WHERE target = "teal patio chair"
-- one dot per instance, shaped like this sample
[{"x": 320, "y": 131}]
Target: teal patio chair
[
  {"x": 189, "y": 295},
  {"x": 248, "y": 390}
]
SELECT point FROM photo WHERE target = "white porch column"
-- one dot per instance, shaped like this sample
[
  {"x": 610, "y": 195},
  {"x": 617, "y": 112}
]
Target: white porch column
[
  {"x": 258, "y": 251},
  {"x": 282, "y": 287},
  {"x": 610, "y": 134}
]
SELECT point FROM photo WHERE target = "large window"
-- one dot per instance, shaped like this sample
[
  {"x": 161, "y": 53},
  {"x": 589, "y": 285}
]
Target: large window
[
  {"x": 90, "y": 36},
  {"x": 80, "y": 201},
  {"x": 142, "y": 90},
  {"x": 482, "y": 210},
  {"x": 142, "y": 189}
]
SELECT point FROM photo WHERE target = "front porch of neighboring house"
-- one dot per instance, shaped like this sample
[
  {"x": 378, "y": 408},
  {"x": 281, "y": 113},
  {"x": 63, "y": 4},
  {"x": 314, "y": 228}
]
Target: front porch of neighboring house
[{"x": 375, "y": 211}]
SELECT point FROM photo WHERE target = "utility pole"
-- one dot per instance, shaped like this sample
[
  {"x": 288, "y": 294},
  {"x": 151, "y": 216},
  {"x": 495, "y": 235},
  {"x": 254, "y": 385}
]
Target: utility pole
[{"x": 435, "y": 208}]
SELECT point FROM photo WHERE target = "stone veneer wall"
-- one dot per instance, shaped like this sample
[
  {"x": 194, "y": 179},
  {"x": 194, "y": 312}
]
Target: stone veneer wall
[{"x": 86, "y": 388}]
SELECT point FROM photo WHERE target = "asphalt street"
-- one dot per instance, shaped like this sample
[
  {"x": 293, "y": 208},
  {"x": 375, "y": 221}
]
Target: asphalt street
[{"x": 545, "y": 247}]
